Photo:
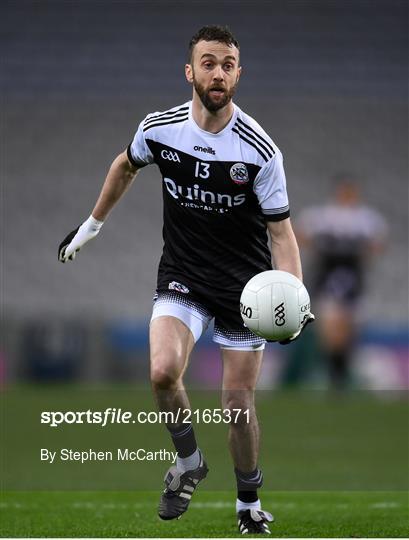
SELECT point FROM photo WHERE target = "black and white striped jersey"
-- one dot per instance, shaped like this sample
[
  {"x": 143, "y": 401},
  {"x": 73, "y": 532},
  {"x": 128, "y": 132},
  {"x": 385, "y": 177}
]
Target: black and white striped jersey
[{"x": 218, "y": 191}]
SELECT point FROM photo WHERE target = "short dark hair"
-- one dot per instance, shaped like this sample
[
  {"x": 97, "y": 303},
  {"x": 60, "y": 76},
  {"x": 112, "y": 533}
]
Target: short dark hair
[{"x": 213, "y": 33}]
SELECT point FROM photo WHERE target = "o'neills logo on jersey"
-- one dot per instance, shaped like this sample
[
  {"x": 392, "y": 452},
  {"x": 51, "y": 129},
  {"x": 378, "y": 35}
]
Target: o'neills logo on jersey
[
  {"x": 195, "y": 193},
  {"x": 206, "y": 150},
  {"x": 239, "y": 173}
]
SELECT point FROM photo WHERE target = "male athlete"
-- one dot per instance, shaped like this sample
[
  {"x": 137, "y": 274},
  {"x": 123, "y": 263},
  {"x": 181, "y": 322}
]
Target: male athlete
[
  {"x": 344, "y": 235},
  {"x": 223, "y": 188}
]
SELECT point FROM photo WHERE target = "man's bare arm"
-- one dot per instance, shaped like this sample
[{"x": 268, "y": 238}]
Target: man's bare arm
[
  {"x": 284, "y": 247},
  {"x": 120, "y": 176},
  {"x": 286, "y": 256}
]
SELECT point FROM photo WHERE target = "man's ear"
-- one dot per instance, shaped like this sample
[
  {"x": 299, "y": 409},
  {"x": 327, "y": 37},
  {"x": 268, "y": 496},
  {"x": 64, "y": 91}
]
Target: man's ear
[
  {"x": 189, "y": 73},
  {"x": 239, "y": 74}
]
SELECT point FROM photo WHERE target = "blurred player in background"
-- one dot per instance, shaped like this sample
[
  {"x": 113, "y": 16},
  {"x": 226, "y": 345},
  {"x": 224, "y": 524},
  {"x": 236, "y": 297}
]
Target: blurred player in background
[
  {"x": 342, "y": 235},
  {"x": 224, "y": 187}
]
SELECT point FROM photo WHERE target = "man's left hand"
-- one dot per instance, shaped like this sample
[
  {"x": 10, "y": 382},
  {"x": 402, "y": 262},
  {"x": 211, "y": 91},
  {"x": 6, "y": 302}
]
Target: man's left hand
[{"x": 308, "y": 319}]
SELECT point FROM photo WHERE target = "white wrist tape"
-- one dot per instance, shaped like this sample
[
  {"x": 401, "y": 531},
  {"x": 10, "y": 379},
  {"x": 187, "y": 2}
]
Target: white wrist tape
[
  {"x": 88, "y": 230},
  {"x": 93, "y": 224}
]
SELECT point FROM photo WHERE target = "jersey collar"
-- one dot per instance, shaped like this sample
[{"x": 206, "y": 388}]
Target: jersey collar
[{"x": 207, "y": 133}]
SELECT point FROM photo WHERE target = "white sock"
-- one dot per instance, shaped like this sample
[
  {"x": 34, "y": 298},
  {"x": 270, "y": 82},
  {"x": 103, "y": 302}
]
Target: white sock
[
  {"x": 190, "y": 462},
  {"x": 240, "y": 505}
]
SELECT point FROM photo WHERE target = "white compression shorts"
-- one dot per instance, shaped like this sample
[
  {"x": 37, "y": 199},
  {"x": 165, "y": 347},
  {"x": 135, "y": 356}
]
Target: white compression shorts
[{"x": 197, "y": 319}]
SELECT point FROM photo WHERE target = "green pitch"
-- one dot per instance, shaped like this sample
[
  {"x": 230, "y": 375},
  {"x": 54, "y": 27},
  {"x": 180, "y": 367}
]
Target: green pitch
[
  {"x": 125, "y": 514},
  {"x": 338, "y": 464}
]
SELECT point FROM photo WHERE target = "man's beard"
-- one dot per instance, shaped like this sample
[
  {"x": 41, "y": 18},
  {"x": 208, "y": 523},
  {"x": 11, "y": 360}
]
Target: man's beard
[{"x": 205, "y": 98}]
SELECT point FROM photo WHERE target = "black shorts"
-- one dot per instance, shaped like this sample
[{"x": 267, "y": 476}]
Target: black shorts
[
  {"x": 342, "y": 284},
  {"x": 196, "y": 307}
]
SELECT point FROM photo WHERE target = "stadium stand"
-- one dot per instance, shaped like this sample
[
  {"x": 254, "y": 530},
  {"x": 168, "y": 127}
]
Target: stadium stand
[{"x": 327, "y": 79}]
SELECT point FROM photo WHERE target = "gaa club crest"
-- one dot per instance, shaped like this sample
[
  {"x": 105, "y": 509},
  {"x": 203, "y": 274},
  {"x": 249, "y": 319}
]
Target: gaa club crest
[{"x": 239, "y": 173}]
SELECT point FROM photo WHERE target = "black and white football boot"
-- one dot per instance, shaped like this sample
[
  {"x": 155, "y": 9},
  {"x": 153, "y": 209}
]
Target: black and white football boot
[
  {"x": 179, "y": 488},
  {"x": 253, "y": 521}
]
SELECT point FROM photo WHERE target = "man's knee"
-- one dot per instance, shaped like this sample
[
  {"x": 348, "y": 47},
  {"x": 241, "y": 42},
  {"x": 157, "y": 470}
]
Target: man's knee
[
  {"x": 170, "y": 343},
  {"x": 166, "y": 371},
  {"x": 239, "y": 406}
]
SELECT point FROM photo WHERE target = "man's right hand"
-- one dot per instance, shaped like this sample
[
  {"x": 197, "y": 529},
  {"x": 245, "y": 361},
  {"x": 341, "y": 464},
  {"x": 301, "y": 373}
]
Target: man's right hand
[{"x": 77, "y": 238}]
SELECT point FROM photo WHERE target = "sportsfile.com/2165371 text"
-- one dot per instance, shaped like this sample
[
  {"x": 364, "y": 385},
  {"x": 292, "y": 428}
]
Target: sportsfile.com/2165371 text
[{"x": 112, "y": 415}]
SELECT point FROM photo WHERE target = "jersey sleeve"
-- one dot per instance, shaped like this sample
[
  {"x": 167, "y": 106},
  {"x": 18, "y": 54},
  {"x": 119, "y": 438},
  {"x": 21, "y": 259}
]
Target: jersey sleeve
[
  {"x": 310, "y": 221},
  {"x": 270, "y": 188},
  {"x": 138, "y": 151},
  {"x": 376, "y": 228}
]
